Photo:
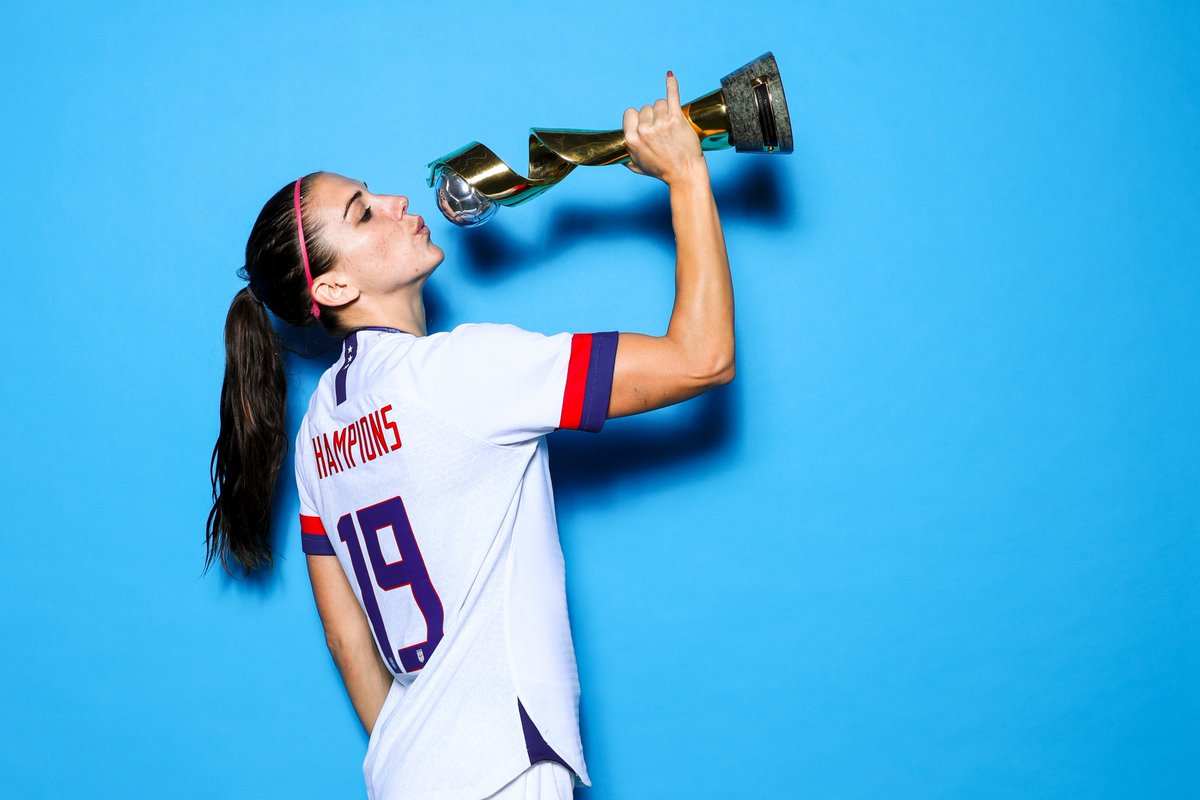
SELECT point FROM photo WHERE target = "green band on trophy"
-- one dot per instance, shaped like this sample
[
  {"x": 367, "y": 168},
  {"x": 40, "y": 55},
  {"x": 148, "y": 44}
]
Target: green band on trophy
[{"x": 749, "y": 113}]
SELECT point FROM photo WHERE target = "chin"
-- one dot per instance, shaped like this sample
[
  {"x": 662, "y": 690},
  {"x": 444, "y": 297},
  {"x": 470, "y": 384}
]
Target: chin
[
  {"x": 441, "y": 256},
  {"x": 420, "y": 276}
]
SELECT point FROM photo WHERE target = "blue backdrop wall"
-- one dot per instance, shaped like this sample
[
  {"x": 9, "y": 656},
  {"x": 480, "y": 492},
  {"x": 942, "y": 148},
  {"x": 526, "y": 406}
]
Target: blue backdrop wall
[{"x": 938, "y": 538}]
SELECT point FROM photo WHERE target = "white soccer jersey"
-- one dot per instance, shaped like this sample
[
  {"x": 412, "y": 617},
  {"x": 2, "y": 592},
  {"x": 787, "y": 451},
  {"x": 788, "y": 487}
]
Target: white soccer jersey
[{"x": 421, "y": 465}]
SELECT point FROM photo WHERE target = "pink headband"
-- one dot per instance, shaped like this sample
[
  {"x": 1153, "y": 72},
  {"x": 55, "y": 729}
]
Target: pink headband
[{"x": 304, "y": 250}]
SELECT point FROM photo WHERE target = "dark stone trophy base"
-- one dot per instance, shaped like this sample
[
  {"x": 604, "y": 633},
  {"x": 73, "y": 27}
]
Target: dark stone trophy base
[{"x": 758, "y": 114}]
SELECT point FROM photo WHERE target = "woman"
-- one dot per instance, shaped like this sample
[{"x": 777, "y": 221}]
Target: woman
[{"x": 421, "y": 467}]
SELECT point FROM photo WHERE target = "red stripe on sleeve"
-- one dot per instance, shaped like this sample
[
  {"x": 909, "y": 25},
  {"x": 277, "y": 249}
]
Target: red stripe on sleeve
[
  {"x": 577, "y": 370},
  {"x": 311, "y": 525}
]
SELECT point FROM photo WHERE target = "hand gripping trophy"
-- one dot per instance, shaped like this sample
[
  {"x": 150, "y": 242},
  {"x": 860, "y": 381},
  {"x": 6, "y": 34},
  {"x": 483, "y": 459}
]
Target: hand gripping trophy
[{"x": 749, "y": 113}]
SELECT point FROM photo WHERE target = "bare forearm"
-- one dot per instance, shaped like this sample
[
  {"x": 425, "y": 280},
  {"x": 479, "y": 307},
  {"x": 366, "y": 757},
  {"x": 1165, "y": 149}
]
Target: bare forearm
[
  {"x": 697, "y": 352},
  {"x": 366, "y": 678},
  {"x": 702, "y": 317},
  {"x": 348, "y": 637}
]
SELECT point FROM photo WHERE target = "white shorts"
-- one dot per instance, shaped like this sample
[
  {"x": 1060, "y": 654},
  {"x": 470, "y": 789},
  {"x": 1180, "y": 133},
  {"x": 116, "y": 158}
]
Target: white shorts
[{"x": 545, "y": 780}]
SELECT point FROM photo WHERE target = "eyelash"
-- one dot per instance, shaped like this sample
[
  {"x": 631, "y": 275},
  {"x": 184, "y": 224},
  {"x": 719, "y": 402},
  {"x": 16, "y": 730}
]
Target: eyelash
[{"x": 366, "y": 215}]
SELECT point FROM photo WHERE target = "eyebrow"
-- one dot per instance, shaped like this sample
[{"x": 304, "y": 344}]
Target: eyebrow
[{"x": 357, "y": 195}]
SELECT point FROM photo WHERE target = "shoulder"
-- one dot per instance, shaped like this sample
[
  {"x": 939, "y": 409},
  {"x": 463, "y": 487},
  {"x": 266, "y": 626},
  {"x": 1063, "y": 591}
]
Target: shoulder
[
  {"x": 489, "y": 333},
  {"x": 474, "y": 341}
]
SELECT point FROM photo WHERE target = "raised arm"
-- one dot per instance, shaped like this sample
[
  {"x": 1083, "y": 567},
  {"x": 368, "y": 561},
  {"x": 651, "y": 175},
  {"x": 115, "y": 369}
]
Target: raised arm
[{"x": 697, "y": 351}]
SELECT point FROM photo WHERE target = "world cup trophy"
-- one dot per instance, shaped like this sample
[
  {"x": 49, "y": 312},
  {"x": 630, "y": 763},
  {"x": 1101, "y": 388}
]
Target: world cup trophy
[{"x": 748, "y": 113}]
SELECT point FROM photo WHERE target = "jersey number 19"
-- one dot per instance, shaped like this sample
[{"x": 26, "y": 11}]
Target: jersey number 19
[{"x": 409, "y": 570}]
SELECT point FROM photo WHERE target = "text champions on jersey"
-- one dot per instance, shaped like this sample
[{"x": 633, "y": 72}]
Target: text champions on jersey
[{"x": 368, "y": 438}]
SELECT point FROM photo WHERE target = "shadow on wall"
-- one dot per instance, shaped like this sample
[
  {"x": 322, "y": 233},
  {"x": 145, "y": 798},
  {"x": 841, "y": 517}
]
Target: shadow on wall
[
  {"x": 756, "y": 192},
  {"x": 643, "y": 449}
]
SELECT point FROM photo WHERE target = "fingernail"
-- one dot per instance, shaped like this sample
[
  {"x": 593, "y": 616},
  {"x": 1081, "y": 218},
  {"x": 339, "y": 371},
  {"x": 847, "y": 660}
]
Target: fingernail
[{"x": 670, "y": 74}]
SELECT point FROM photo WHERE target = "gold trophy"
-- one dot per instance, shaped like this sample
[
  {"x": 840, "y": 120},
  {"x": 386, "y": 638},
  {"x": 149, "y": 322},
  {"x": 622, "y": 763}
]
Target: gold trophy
[{"x": 749, "y": 113}]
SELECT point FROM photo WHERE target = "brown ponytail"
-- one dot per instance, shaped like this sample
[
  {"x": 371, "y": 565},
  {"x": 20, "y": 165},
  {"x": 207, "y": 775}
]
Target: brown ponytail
[
  {"x": 253, "y": 439},
  {"x": 252, "y": 442}
]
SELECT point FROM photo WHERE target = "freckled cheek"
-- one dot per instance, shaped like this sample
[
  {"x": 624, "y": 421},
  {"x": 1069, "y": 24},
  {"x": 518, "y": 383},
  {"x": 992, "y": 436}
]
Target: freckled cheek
[{"x": 402, "y": 251}]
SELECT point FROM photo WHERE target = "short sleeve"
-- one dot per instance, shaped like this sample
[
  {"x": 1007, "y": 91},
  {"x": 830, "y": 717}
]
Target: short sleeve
[
  {"x": 313, "y": 539},
  {"x": 508, "y": 385}
]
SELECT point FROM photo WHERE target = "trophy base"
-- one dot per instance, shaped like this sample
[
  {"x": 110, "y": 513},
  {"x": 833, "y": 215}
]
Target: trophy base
[{"x": 758, "y": 114}]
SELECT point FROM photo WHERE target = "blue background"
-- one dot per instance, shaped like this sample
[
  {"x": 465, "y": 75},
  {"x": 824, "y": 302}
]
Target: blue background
[{"x": 938, "y": 538}]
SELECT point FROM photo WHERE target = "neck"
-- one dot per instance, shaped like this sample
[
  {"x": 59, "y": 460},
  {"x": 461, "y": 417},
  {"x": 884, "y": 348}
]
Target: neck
[{"x": 404, "y": 312}]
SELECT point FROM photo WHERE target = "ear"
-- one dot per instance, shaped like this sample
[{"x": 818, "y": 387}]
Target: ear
[{"x": 332, "y": 289}]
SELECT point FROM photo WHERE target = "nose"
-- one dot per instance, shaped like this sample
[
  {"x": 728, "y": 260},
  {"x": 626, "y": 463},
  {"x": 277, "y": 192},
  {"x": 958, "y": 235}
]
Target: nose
[{"x": 398, "y": 204}]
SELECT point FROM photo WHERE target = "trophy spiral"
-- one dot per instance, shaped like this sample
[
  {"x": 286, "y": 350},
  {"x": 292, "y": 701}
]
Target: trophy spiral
[{"x": 748, "y": 113}]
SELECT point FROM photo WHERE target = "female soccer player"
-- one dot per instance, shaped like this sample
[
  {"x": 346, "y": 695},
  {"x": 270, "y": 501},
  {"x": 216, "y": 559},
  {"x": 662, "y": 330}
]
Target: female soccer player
[{"x": 425, "y": 502}]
